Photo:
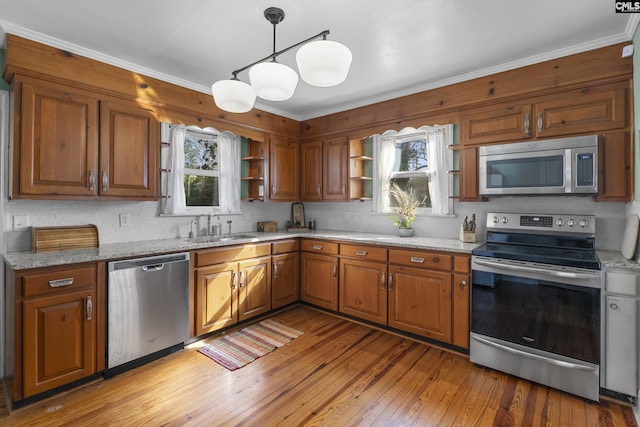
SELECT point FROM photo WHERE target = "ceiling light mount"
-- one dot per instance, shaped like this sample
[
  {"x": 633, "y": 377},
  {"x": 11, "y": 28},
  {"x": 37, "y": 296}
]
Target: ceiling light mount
[{"x": 321, "y": 63}]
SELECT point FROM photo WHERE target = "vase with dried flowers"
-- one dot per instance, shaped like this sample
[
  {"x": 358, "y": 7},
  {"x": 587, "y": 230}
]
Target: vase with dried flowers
[{"x": 404, "y": 213}]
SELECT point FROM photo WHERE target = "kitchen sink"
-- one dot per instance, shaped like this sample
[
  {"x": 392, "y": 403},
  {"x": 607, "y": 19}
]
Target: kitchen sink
[{"x": 221, "y": 238}]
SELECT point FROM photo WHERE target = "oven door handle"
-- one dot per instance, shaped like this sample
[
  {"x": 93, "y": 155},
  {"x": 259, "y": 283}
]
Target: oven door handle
[
  {"x": 552, "y": 273},
  {"x": 548, "y": 360}
]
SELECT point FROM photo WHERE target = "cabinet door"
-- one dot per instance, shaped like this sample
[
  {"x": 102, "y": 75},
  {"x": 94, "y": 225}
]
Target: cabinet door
[
  {"x": 335, "y": 165},
  {"x": 285, "y": 278},
  {"x": 254, "y": 286},
  {"x": 284, "y": 170},
  {"x": 511, "y": 122},
  {"x": 311, "y": 173},
  {"x": 59, "y": 340},
  {"x": 216, "y": 297},
  {"x": 621, "y": 345},
  {"x": 614, "y": 158},
  {"x": 319, "y": 280},
  {"x": 420, "y": 302},
  {"x": 469, "y": 175},
  {"x": 129, "y": 146},
  {"x": 363, "y": 290},
  {"x": 461, "y": 310},
  {"x": 57, "y": 154},
  {"x": 585, "y": 111}
]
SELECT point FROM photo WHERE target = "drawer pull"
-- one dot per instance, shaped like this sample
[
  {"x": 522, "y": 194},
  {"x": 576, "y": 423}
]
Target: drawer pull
[
  {"x": 317, "y": 247},
  {"x": 417, "y": 260},
  {"x": 361, "y": 253},
  {"x": 89, "y": 308},
  {"x": 61, "y": 283}
]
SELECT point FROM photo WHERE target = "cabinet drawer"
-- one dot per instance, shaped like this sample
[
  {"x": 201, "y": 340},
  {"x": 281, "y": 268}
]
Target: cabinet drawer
[
  {"x": 462, "y": 264},
  {"x": 621, "y": 283},
  {"x": 233, "y": 253},
  {"x": 372, "y": 253},
  {"x": 430, "y": 260},
  {"x": 320, "y": 246},
  {"x": 56, "y": 281},
  {"x": 285, "y": 246}
]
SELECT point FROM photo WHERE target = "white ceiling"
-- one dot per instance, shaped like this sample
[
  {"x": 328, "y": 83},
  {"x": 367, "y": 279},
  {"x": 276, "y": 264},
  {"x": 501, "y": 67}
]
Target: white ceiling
[{"x": 399, "y": 47}]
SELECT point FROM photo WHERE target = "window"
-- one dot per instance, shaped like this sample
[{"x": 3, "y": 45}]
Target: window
[
  {"x": 201, "y": 169},
  {"x": 415, "y": 159}
]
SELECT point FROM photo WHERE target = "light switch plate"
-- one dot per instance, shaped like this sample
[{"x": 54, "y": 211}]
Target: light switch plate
[{"x": 125, "y": 220}]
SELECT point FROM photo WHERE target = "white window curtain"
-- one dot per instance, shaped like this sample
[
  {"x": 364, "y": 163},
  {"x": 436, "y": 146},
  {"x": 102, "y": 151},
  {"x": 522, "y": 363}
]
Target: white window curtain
[
  {"x": 384, "y": 153},
  {"x": 229, "y": 152},
  {"x": 438, "y": 139},
  {"x": 176, "y": 200}
]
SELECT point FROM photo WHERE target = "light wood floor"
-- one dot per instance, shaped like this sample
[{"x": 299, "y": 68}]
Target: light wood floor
[{"x": 338, "y": 373}]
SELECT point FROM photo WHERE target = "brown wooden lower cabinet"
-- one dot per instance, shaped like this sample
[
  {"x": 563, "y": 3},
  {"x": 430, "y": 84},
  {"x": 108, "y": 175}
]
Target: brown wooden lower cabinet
[
  {"x": 420, "y": 302},
  {"x": 58, "y": 321},
  {"x": 236, "y": 288},
  {"x": 363, "y": 289},
  {"x": 285, "y": 270},
  {"x": 319, "y": 280}
]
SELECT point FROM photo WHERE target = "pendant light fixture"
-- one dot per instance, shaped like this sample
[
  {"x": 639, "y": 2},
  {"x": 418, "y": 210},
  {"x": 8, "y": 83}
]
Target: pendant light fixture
[{"x": 321, "y": 63}]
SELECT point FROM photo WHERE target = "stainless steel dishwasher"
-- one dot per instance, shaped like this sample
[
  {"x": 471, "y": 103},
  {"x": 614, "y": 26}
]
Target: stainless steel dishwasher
[{"x": 148, "y": 309}]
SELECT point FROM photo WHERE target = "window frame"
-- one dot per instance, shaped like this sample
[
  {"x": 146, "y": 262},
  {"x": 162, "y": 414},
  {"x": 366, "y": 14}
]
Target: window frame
[{"x": 211, "y": 136}]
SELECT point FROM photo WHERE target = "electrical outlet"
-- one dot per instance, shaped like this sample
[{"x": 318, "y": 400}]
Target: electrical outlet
[
  {"x": 20, "y": 222},
  {"x": 125, "y": 220}
]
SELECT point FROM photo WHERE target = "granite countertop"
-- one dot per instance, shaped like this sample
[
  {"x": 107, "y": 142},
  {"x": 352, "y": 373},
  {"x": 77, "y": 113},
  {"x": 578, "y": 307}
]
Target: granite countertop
[
  {"x": 115, "y": 251},
  {"x": 614, "y": 259}
]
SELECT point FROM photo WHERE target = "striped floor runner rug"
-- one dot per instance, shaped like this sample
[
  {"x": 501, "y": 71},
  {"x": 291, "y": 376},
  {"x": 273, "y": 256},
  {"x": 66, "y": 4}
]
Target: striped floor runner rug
[{"x": 239, "y": 348}]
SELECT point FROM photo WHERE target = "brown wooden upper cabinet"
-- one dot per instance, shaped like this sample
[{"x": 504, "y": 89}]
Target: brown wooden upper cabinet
[
  {"x": 585, "y": 110},
  {"x": 73, "y": 145},
  {"x": 284, "y": 170},
  {"x": 324, "y": 174},
  {"x": 311, "y": 172}
]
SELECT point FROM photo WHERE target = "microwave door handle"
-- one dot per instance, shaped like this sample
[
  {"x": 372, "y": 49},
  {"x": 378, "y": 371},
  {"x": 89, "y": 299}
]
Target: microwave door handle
[
  {"x": 569, "y": 185},
  {"x": 561, "y": 274}
]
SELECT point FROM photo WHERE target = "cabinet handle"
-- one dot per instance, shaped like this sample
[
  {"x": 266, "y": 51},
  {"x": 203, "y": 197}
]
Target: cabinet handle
[
  {"x": 92, "y": 179},
  {"x": 526, "y": 123},
  {"x": 383, "y": 278},
  {"x": 344, "y": 187},
  {"x": 275, "y": 270},
  {"x": 613, "y": 305},
  {"x": 335, "y": 271},
  {"x": 317, "y": 247},
  {"x": 540, "y": 122},
  {"x": 463, "y": 284},
  {"x": 417, "y": 260},
  {"x": 89, "y": 308},
  {"x": 234, "y": 277},
  {"x": 273, "y": 190},
  {"x": 390, "y": 282},
  {"x": 61, "y": 283},
  {"x": 105, "y": 181},
  {"x": 241, "y": 278},
  {"x": 361, "y": 253},
  {"x": 318, "y": 190}
]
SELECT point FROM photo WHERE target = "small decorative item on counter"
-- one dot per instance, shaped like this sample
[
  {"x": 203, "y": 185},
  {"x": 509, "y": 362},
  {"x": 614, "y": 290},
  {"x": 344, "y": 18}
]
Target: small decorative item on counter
[
  {"x": 468, "y": 229},
  {"x": 297, "y": 217},
  {"x": 404, "y": 213},
  {"x": 312, "y": 224}
]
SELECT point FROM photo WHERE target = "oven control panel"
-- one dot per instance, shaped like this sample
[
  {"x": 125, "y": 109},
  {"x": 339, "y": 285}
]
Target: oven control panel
[{"x": 549, "y": 223}]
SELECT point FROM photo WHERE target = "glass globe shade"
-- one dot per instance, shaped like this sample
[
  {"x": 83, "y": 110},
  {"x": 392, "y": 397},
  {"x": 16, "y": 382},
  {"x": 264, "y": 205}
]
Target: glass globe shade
[
  {"x": 233, "y": 96},
  {"x": 273, "y": 81},
  {"x": 324, "y": 63}
]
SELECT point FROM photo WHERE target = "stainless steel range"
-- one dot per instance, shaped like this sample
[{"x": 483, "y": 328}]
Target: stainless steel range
[{"x": 536, "y": 300}]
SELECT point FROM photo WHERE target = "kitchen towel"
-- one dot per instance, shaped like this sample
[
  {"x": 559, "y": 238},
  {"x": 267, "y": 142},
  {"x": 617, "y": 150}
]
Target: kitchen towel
[{"x": 630, "y": 236}]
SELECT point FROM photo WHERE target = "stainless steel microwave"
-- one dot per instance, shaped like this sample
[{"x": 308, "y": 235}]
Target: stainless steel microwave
[{"x": 554, "y": 166}]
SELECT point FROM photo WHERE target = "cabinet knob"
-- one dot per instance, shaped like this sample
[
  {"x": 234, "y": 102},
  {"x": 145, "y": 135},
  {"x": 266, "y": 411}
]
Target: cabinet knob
[
  {"x": 463, "y": 283},
  {"x": 613, "y": 305}
]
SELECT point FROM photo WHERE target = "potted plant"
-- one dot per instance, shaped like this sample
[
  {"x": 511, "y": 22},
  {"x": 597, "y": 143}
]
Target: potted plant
[{"x": 405, "y": 212}]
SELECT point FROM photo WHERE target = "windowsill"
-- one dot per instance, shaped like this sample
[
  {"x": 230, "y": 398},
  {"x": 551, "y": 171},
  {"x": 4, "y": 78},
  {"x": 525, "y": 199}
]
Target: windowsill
[
  {"x": 418, "y": 214},
  {"x": 192, "y": 214}
]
